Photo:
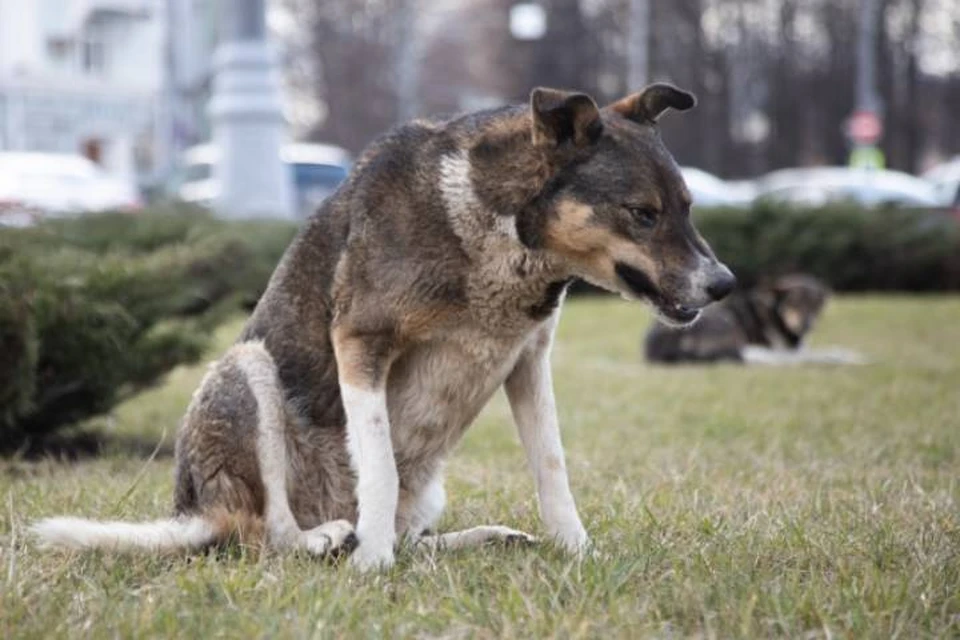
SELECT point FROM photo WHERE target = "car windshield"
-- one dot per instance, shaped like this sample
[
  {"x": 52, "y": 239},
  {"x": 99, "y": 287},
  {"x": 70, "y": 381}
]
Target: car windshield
[
  {"x": 327, "y": 176},
  {"x": 197, "y": 172},
  {"x": 307, "y": 176}
]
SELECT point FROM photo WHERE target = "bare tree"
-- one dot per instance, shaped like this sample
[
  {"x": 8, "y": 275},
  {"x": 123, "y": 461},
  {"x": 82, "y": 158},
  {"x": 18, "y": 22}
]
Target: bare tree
[{"x": 775, "y": 77}]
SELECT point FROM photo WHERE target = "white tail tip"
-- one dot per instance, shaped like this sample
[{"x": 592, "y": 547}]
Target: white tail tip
[{"x": 159, "y": 535}]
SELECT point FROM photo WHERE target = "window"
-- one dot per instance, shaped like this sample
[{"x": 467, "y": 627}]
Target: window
[
  {"x": 58, "y": 48},
  {"x": 325, "y": 176},
  {"x": 197, "y": 172},
  {"x": 93, "y": 52}
]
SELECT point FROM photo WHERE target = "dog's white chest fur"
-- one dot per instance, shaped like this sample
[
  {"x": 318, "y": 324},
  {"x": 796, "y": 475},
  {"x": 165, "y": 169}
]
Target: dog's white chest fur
[{"x": 436, "y": 389}]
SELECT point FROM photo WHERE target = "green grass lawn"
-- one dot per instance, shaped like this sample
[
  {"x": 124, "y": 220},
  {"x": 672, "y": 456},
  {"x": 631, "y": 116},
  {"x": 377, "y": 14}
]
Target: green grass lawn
[{"x": 724, "y": 502}]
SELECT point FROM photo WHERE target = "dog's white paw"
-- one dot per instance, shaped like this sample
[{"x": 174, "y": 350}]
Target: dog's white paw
[
  {"x": 506, "y": 535},
  {"x": 369, "y": 557},
  {"x": 329, "y": 538},
  {"x": 575, "y": 541}
]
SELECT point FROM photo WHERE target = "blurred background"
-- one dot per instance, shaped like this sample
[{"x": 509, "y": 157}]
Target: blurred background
[
  {"x": 128, "y": 86},
  {"x": 156, "y": 156}
]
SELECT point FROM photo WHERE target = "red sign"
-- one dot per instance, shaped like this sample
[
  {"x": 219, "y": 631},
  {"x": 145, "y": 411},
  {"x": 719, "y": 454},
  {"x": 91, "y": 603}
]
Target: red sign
[{"x": 864, "y": 127}]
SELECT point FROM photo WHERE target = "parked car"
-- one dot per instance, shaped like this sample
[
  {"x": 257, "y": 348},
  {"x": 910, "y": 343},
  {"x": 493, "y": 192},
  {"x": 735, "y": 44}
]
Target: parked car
[
  {"x": 36, "y": 185},
  {"x": 945, "y": 179},
  {"x": 710, "y": 191},
  {"x": 815, "y": 187},
  {"x": 318, "y": 169}
]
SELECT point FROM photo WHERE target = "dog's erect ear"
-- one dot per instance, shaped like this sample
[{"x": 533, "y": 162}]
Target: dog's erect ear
[
  {"x": 647, "y": 105},
  {"x": 561, "y": 116}
]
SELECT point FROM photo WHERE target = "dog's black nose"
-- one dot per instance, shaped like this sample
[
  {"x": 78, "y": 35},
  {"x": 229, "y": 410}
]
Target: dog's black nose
[{"x": 722, "y": 285}]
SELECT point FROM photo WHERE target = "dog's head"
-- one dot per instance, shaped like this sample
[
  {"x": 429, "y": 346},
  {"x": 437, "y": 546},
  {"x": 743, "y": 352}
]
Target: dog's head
[
  {"x": 615, "y": 207},
  {"x": 797, "y": 301}
]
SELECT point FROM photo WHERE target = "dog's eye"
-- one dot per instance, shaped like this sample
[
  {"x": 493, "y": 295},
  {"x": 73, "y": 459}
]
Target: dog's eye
[{"x": 646, "y": 216}]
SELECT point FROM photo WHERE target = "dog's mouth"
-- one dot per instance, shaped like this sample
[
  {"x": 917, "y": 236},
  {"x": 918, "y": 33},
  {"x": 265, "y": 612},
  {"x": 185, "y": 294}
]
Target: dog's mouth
[
  {"x": 678, "y": 314},
  {"x": 640, "y": 286}
]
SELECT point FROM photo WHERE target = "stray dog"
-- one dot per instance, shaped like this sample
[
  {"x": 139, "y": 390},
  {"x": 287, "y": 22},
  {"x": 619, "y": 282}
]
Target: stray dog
[
  {"x": 433, "y": 276},
  {"x": 763, "y": 325}
]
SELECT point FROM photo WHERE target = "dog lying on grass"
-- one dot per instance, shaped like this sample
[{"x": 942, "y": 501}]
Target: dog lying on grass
[
  {"x": 764, "y": 325},
  {"x": 433, "y": 276}
]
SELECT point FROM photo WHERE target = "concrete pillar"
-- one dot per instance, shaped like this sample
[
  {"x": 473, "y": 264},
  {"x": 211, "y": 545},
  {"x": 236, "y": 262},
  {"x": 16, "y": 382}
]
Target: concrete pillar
[{"x": 247, "y": 117}]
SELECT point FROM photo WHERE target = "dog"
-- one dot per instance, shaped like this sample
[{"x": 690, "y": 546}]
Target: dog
[
  {"x": 432, "y": 277},
  {"x": 763, "y": 325}
]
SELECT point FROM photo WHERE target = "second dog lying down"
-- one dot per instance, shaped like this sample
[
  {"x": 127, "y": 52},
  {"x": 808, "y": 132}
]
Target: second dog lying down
[{"x": 763, "y": 325}]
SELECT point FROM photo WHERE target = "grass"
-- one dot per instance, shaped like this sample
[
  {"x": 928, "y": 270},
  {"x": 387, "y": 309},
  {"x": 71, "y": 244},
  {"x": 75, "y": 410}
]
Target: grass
[{"x": 724, "y": 502}]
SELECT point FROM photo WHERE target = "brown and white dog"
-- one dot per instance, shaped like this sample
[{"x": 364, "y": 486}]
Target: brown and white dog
[{"x": 431, "y": 278}]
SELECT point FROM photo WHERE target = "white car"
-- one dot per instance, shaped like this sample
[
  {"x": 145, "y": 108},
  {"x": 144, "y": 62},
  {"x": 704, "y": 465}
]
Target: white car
[
  {"x": 945, "y": 179},
  {"x": 37, "y": 185},
  {"x": 710, "y": 191},
  {"x": 816, "y": 187},
  {"x": 318, "y": 169}
]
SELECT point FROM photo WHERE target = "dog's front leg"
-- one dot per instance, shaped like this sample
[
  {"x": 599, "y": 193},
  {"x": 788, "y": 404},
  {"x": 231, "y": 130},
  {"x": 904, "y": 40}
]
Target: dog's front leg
[
  {"x": 530, "y": 391},
  {"x": 362, "y": 364}
]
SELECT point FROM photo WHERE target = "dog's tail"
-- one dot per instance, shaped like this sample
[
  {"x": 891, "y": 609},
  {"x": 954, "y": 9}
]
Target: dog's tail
[{"x": 183, "y": 533}]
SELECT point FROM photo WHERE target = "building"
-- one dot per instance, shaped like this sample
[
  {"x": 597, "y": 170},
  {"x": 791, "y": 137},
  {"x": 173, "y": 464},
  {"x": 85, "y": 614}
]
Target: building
[
  {"x": 82, "y": 76},
  {"x": 192, "y": 40},
  {"x": 123, "y": 82}
]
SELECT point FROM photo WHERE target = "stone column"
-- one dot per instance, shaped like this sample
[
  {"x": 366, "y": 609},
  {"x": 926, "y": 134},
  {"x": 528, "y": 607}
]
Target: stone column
[{"x": 247, "y": 116}]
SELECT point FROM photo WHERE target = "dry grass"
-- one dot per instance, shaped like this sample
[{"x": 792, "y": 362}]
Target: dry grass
[{"x": 725, "y": 502}]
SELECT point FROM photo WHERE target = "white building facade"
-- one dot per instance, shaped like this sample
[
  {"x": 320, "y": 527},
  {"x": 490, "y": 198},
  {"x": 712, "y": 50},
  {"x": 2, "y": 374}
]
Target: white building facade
[{"x": 122, "y": 82}]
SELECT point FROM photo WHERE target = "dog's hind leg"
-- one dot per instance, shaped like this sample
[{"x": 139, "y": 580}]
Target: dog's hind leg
[
  {"x": 418, "y": 513},
  {"x": 474, "y": 537},
  {"x": 283, "y": 532},
  {"x": 232, "y": 473}
]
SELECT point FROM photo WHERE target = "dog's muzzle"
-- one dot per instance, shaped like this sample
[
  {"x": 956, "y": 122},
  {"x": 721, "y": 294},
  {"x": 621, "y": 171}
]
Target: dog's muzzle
[{"x": 642, "y": 287}]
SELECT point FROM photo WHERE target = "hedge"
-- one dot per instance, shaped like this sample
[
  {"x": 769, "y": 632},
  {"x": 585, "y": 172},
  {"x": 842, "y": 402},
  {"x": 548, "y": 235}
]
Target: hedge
[
  {"x": 850, "y": 248},
  {"x": 94, "y": 309}
]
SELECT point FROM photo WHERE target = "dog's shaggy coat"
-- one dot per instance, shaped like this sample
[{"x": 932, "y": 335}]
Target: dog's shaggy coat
[{"x": 432, "y": 277}]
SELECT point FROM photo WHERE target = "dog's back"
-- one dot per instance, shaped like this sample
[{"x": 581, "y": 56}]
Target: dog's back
[{"x": 715, "y": 337}]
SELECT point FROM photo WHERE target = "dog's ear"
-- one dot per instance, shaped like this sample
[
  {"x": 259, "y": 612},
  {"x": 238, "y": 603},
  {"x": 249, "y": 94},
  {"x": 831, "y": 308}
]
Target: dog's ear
[
  {"x": 560, "y": 117},
  {"x": 647, "y": 105},
  {"x": 782, "y": 287}
]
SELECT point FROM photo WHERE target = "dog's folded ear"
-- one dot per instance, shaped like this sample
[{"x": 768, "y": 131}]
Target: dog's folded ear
[
  {"x": 647, "y": 105},
  {"x": 561, "y": 117}
]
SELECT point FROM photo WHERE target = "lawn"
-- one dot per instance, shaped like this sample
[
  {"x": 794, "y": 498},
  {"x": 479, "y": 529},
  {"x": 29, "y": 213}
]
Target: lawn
[{"x": 724, "y": 502}]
